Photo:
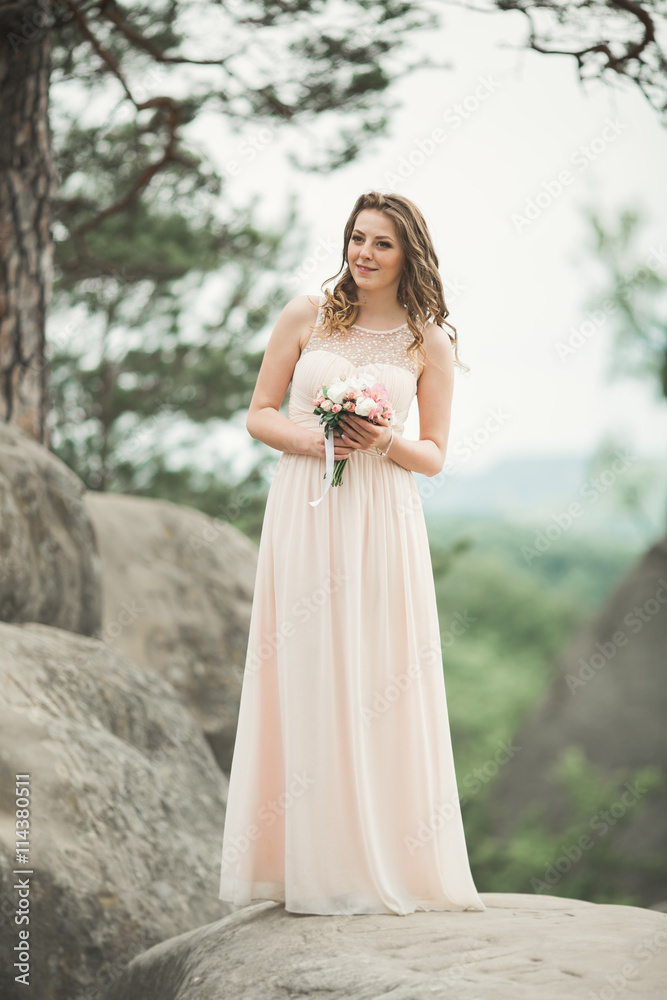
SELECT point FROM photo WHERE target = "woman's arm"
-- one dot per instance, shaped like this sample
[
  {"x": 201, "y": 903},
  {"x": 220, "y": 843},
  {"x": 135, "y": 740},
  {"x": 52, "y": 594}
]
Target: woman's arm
[
  {"x": 435, "y": 390},
  {"x": 264, "y": 421}
]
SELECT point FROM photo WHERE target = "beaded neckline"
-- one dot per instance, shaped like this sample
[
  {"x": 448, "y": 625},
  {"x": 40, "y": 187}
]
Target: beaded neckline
[
  {"x": 355, "y": 326},
  {"x": 362, "y": 346}
]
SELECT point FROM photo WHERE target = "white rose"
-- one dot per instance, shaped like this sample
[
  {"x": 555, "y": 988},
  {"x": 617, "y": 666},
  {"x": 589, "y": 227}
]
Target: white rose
[
  {"x": 338, "y": 391},
  {"x": 364, "y": 406},
  {"x": 326, "y": 405}
]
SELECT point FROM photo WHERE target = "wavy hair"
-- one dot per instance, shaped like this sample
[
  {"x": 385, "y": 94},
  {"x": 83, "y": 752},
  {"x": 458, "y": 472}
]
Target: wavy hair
[{"x": 420, "y": 288}]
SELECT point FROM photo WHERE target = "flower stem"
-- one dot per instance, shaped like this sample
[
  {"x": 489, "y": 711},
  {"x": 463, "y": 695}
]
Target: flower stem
[{"x": 337, "y": 478}]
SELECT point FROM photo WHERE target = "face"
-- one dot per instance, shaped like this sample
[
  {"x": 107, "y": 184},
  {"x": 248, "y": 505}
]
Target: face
[{"x": 374, "y": 253}]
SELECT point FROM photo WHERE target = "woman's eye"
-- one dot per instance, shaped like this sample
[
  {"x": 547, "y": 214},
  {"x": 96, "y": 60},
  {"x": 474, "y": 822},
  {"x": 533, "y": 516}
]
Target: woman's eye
[{"x": 382, "y": 243}]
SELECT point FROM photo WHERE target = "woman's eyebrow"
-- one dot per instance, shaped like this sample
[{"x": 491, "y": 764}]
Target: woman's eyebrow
[{"x": 362, "y": 233}]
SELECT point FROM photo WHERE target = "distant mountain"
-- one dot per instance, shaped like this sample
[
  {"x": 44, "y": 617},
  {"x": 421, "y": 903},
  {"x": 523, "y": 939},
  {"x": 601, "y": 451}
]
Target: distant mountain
[{"x": 624, "y": 496}]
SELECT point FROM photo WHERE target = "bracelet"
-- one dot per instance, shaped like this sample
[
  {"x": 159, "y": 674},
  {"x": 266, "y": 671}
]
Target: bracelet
[{"x": 391, "y": 438}]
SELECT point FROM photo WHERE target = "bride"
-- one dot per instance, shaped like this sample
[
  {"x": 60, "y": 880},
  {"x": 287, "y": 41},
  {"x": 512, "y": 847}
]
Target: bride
[{"x": 342, "y": 790}]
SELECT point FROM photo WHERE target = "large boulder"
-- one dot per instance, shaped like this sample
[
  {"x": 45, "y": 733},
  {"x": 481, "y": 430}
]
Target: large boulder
[
  {"x": 50, "y": 570},
  {"x": 521, "y": 948},
  {"x": 608, "y": 698},
  {"x": 178, "y": 589},
  {"x": 126, "y": 808}
]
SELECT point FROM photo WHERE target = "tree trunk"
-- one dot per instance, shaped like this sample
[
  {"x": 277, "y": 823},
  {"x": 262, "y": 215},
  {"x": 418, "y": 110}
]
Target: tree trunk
[{"x": 27, "y": 183}]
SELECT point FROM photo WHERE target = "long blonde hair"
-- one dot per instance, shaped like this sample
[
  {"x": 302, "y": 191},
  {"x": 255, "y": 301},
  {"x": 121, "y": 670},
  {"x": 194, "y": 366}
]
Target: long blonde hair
[{"x": 420, "y": 288}]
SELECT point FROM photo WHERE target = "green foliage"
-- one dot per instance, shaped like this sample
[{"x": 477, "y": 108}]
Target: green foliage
[
  {"x": 577, "y": 853},
  {"x": 498, "y": 667},
  {"x": 244, "y": 65},
  {"x": 631, "y": 297},
  {"x": 495, "y": 672},
  {"x": 141, "y": 379},
  {"x": 584, "y": 567},
  {"x": 114, "y": 406},
  {"x": 141, "y": 358}
]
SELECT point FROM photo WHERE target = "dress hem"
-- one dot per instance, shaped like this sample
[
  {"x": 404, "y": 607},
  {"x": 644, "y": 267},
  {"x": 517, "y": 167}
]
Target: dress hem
[{"x": 275, "y": 893}]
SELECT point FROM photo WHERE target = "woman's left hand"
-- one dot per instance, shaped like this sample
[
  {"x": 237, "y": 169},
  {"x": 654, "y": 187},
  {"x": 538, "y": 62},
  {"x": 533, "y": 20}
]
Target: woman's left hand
[{"x": 361, "y": 433}]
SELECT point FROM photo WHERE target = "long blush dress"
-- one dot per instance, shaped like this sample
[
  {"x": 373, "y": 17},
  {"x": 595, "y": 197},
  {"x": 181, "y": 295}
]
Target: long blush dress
[{"x": 342, "y": 791}]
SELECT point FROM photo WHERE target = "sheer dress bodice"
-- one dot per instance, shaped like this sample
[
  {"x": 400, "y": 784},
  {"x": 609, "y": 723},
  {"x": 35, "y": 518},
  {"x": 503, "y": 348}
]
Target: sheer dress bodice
[
  {"x": 380, "y": 355},
  {"x": 363, "y": 346}
]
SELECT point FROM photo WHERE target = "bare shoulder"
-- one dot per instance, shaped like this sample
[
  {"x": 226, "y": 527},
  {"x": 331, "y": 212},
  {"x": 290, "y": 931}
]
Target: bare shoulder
[
  {"x": 302, "y": 307},
  {"x": 297, "y": 317},
  {"x": 291, "y": 331},
  {"x": 438, "y": 346},
  {"x": 436, "y": 337}
]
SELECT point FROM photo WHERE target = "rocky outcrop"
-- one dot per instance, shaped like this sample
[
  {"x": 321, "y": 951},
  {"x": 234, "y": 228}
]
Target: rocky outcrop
[
  {"x": 49, "y": 566},
  {"x": 609, "y": 698},
  {"x": 125, "y": 819},
  {"x": 178, "y": 589},
  {"x": 521, "y": 948}
]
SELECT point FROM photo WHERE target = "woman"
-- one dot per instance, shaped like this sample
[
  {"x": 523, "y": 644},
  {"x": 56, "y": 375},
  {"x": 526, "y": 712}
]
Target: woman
[{"x": 342, "y": 791}]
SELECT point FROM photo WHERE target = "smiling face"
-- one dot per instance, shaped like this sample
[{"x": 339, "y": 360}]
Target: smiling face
[{"x": 374, "y": 254}]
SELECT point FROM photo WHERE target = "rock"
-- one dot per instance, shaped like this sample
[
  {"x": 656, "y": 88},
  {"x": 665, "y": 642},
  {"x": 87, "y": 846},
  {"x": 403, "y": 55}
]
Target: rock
[
  {"x": 522, "y": 946},
  {"x": 126, "y": 812},
  {"x": 608, "y": 698},
  {"x": 50, "y": 570},
  {"x": 178, "y": 589}
]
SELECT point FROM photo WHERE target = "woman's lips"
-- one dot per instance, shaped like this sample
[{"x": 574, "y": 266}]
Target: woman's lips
[{"x": 360, "y": 267}]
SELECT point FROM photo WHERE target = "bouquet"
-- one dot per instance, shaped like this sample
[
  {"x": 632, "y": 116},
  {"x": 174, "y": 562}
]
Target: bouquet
[{"x": 333, "y": 402}]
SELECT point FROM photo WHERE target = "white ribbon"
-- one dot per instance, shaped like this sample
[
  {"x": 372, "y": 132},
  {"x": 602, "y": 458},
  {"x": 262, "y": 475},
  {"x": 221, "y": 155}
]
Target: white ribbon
[{"x": 329, "y": 457}]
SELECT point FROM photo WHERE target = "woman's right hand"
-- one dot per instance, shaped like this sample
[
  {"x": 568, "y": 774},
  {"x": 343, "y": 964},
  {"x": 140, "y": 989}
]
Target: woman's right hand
[{"x": 317, "y": 446}]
